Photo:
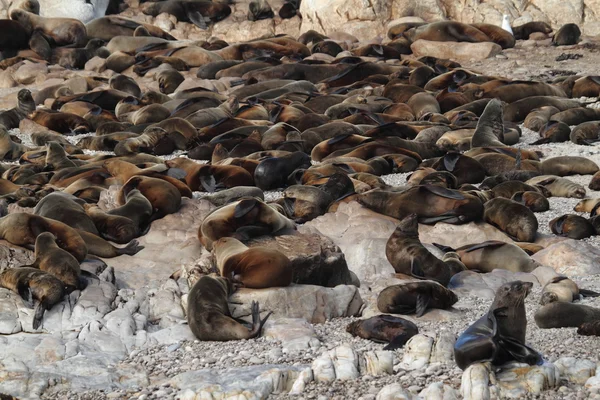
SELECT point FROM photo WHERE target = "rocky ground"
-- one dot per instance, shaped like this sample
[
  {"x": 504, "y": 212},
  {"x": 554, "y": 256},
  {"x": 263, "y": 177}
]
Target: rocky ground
[{"x": 125, "y": 336}]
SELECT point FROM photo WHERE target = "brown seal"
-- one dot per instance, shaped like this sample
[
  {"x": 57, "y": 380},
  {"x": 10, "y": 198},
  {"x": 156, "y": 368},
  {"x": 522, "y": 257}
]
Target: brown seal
[
  {"x": 522, "y": 32},
  {"x": 561, "y": 314},
  {"x": 568, "y": 165},
  {"x": 394, "y": 331},
  {"x": 243, "y": 219},
  {"x": 30, "y": 284},
  {"x": 253, "y": 267},
  {"x": 137, "y": 208},
  {"x": 408, "y": 256},
  {"x": 25, "y": 106},
  {"x": 431, "y": 203},
  {"x": 223, "y": 197},
  {"x": 208, "y": 312},
  {"x": 561, "y": 288},
  {"x": 512, "y": 218},
  {"x": 490, "y": 127},
  {"x": 305, "y": 203},
  {"x": 58, "y": 262},
  {"x": 587, "y": 205},
  {"x": 499, "y": 336},
  {"x": 210, "y": 178},
  {"x": 572, "y": 226},
  {"x": 60, "y": 122},
  {"x": 567, "y": 35},
  {"x": 559, "y": 187},
  {"x": 164, "y": 197},
  {"x": 116, "y": 228},
  {"x": 586, "y": 133},
  {"x": 447, "y": 31},
  {"x": 415, "y": 297},
  {"x": 9, "y": 150},
  {"x": 535, "y": 201},
  {"x": 61, "y": 31},
  {"x": 199, "y": 13},
  {"x": 554, "y": 132}
]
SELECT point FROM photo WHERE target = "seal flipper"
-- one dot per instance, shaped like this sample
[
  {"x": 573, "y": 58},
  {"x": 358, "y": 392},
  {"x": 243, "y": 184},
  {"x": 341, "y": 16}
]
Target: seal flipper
[
  {"x": 449, "y": 217},
  {"x": 416, "y": 270},
  {"x": 247, "y": 232},
  {"x": 39, "y": 314},
  {"x": 209, "y": 183},
  {"x": 483, "y": 245},
  {"x": 519, "y": 351},
  {"x": 25, "y": 293},
  {"x": 450, "y": 160},
  {"x": 176, "y": 173},
  {"x": 588, "y": 293},
  {"x": 198, "y": 19},
  {"x": 422, "y": 303},
  {"x": 398, "y": 342},
  {"x": 244, "y": 207},
  {"x": 443, "y": 192},
  {"x": 444, "y": 248}
]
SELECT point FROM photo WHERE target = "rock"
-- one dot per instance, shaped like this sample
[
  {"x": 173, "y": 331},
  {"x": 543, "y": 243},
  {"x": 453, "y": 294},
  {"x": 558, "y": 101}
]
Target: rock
[
  {"x": 242, "y": 31},
  {"x": 477, "y": 383},
  {"x": 296, "y": 334},
  {"x": 570, "y": 257},
  {"x": 14, "y": 256},
  {"x": 594, "y": 381},
  {"x": 260, "y": 381},
  {"x": 517, "y": 380},
  {"x": 305, "y": 377},
  {"x": 377, "y": 363},
  {"x": 417, "y": 352},
  {"x": 315, "y": 259},
  {"x": 29, "y": 72},
  {"x": 96, "y": 64},
  {"x": 439, "y": 390},
  {"x": 9, "y": 312},
  {"x": 165, "y": 21},
  {"x": 574, "y": 370},
  {"x": 485, "y": 285},
  {"x": 315, "y": 304},
  {"x": 394, "y": 391},
  {"x": 344, "y": 363},
  {"x": 458, "y": 51}
]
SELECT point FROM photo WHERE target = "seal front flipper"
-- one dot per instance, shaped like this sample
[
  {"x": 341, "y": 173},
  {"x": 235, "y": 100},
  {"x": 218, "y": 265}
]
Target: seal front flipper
[
  {"x": 176, "y": 173},
  {"x": 450, "y": 161},
  {"x": 244, "y": 207},
  {"x": 198, "y": 19},
  {"x": 209, "y": 183},
  {"x": 449, "y": 217},
  {"x": 422, "y": 303},
  {"x": 39, "y": 314},
  {"x": 520, "y": 352},
  {"x": 247, "y": 232},
  {"x": 482, "y": 245},
  {"x": 416, "y": 270},
  {"x": 443, "y": 192},
  {"x": 398, "y": 342}
]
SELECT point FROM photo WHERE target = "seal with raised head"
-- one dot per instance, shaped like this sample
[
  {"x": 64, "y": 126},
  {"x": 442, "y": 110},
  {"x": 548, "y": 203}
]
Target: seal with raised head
[
  {"x": 394, "y": 331},
  {"x": 208, "y": 312},
  {"x": 490, "y": 127},
  {"x": 61, "y": 31},
  {"x": 408, "y": 256},
  {"x": 512, "y": 218},
  {"x": 415, "y": 297},
  {"x": 499, "y": 336},
  {"x": 25, "y": 106},
  {"x": 253, "y": 267},
  {"x": 30, "y": 284}
]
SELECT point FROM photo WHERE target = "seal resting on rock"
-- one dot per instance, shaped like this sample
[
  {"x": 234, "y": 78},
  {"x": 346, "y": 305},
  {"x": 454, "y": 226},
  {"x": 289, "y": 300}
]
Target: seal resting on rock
[
  {"x": 415, "y": 297},
  {"x": 499, "y": 336}
]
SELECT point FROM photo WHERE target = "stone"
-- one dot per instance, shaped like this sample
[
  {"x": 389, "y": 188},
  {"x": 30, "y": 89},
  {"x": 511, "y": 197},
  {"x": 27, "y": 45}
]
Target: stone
[
  {"x": 570, "y": 257},
  {"x": 29, "y": 72},
  {"x": 95, "y": 64},
  {"x": 377, "y": 363},
  {"x": 439, "y": 390},
  {"x": 315, "y": 259},
  {"x": 417, "y": 352},
  {"x": 477, "y": 383},
  {"x": 315, "y": 304},
  {"x": 517, "y": 380},
  {"x": 458, "y": 51},
  {"x": 394, "y": 391},
  {"x": 574, "y": 370},
  {"x": 242, "y": 31},
  {"x": 296, "y": 334},
  {"x": 485, "y": 285}
]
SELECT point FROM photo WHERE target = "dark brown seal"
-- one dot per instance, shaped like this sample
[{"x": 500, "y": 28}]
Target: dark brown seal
[
  {"x": 535, "y": 201},
  {"x": 512, "y": 218},
  {"x": 572, "y": 226},
  {"x": 415, "y": 297},
  {"x": 394, "y": 331},
  {"x": 562, "y": 314},
  {"x": 499, "y": 336},
  {"x": 208, "y": 312},
  {"x": 408, "y": 256}
]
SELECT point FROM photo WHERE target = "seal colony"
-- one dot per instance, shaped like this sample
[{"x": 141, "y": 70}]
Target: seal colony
[{"x": 318, "y": 118}]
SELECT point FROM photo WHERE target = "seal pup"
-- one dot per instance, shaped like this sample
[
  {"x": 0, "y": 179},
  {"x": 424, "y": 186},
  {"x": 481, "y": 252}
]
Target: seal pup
[
  {"x": 499, "y": 336},
  {"x": 535, "y": 201},
  {"x": 254, "y": 267},
  {"x": 572, "y": 226},
  {"x": 561, "y": 288},
  {"x": 394, "y": 331},
  {"x": 30, "y": 284},
  {"x": 415, "y": 297},
  {"x": 512, "y": 218},
  {"x": 408, "y": 256},
  {"x": 559, "y": 187},
  {"x": 259, "y": 9},
  {"x": 208, "y": 312}
]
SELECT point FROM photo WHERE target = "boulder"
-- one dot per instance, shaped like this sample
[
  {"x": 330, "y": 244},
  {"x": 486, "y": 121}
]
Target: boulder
[
  {"x": 458, "y": 51},
  {"x": 574, "y": 370},
  {"x": 571, "y": 257},
  {"x": 296, "y": 334},
  {"x": 315, "y": 304}
]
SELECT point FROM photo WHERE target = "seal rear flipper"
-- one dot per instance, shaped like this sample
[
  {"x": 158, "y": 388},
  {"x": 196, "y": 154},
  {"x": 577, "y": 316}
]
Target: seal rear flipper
[
  {"x": 39, "y": 314},
  {"x": 422, "y": 303},
  {"x": 244, "y": 207},
  {"x": 520, "y": 352},
  {"x": 176, "y": 173},
  {"x": 209, "y": 183},
  {"x": 198, "y": 19},
  {"x": 26, "y": 295},
  {"x": 443, "y": 192},
  {"x": 398, "y": 342},
  {"x": 588, "y": 293},
  {"x": 444, "y": 248},
  {"x": 448, "y": 218},
  {"x": 131, "y": 249},
  {"x": 450, "y": 160},
  {"x": 482, "y": 245},
  {"x": 400, "y": 309}
]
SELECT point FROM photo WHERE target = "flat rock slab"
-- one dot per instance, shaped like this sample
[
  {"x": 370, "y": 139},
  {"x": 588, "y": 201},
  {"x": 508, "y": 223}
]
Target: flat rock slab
[
  {"x": 570, "y": 257},
  {"x": 459, "y": 51}
]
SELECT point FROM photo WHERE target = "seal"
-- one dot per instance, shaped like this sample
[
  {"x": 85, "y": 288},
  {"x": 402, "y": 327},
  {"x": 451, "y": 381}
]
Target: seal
[
  {"x": 514, "y": 219},
  {"x": 9, "y": 150},
  {"x": 415, "y": 297},
  {"x": 305, "y": 203},
  {"x": 586, "y": 133},
  {"x": 554, "y": 132},
  {"x": 499, "y": 336},
  {"x": 164, "y": 197},
  {"x": 408, "y": 256},
  {"x": 211, "y": 178},
  {"x": 567, "y": 35},
  {"x": 561, "y": 314},
  {"x": 589, "y": 329},
  {"x": 246, "y": 218},
  {"x": 561, "y": 288},
  {"x": 208, "y": 312},
  {"x": 230, "y": 195},
  {"x": 137, "y": 208},
  {"x": 199, "y": 13},
  {"x": 558, "y": 187},
  {"x": 25, "y": 106},
  {"x": 431, "y": 203},
  {"x": 535, "y": 201},
  {"x": 272, "y": 173},
  {"x": 522, "y": 32},
  {"x": 259, "y": 9},
  {"x": 253, "y": 267},
  {"x": 394, "y": 331},
  {"x": 490, "y": 127},
  {"x": 493, "y": 254},
  {"x": 539, "y": 117},
  {"x": 572, "y": 226},
  {"x": 52, "y": 259},
  {"x": 568, "y": 165},
  {"x": 65, "y": 123},
  {"x": 67, "y": 209},
  {"x": 30, "y": 284},
  {"x": 446, "y": 31},
  {"x": 587, "y": 205},
  {"x": 116, "y": 228},
  {"x": 60, "y": 31}
]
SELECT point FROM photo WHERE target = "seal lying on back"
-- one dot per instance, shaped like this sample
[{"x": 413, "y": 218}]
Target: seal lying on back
[
  {"x": 384, "y": 329},
  {"x": 415, "y": 297},
  {"x": 208, "y": 312},
  {"x": 499, "y": 336}
]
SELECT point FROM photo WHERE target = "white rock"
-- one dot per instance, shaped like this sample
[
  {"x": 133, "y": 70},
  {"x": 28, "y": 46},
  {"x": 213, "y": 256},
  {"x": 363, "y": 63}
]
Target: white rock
[
  {"x": 517, "y": 380},
  {"x": 395, "y": 391},
  {"x": 439, "y": 391},
  {"x": 296, "y": 334},
  {"x": 477, "y": 383},
  {"x": 417, "y": 352},
  {"x": 377, "y": 363},
  {"x": 576, "y": 371}
]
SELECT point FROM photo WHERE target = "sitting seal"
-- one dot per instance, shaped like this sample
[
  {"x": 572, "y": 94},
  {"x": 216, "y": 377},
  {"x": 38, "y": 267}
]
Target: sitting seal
[
  {"x": 388, "y": 329},
  {"x": 415, "y": 297},
  {"x": 208, "y": 312},
  {"x": 499, "y": 336}
]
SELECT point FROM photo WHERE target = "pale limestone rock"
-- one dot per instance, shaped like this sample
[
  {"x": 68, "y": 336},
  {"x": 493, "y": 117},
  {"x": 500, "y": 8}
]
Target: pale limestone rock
[
  {"x": 458, "y": 51},
  {"x": 296, "y": 334},
  {"x": 417, "y": 352},
  {"x": 9, "y": 312},
  {"x": 27, "y": 73},
  {"x": 304, "y": 378},
  {"x": 394, "y": 391},
  {"x": 165, "y": 21},
  {"x": 576, "y": 371},
  {"x": 570, "y": 257},
  {"x": 517, "y": 380},
  {"x": 243, "y": 31},
  {"x": 439, "y": 391},
  {"x": 377, "y": 363},
  {"x": 315, "y": 304},
  {"x": 95, "y": 64},
  {"x": 478, "y": 383}
]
